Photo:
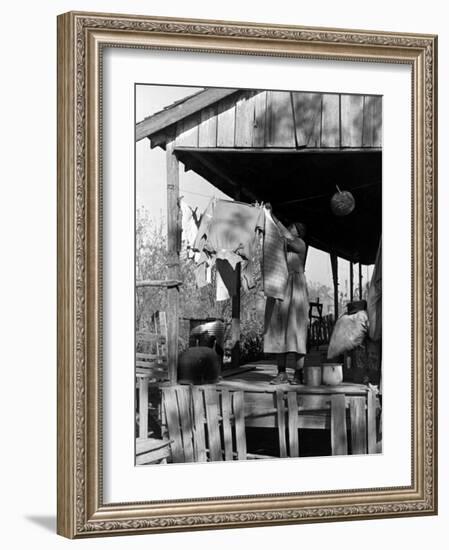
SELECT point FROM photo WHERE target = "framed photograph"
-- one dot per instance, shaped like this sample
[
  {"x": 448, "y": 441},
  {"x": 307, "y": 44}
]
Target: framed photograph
[{"x": 246, "y": 274}]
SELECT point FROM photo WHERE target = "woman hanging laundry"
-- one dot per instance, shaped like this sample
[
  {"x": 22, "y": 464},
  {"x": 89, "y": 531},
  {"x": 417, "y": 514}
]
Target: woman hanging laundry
[{"x": 286, "y": 320}]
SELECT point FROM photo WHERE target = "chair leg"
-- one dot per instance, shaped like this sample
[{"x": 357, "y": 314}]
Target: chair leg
[
  {"x": 292, "y": 402},
  {"x": 280, "y": 407}
]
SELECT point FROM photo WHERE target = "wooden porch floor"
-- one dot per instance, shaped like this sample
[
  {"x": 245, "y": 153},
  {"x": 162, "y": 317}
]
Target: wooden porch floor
[{"x": 256, "y": 377}]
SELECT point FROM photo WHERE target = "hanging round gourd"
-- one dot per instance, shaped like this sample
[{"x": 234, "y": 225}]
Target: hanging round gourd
[{"x": 342, "y": 203}]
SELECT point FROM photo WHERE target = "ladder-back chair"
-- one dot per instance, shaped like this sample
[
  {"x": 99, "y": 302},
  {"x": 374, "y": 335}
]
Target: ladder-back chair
[
  {"x": 205, "y": 423},
  {"x": 151, "y": 348}
]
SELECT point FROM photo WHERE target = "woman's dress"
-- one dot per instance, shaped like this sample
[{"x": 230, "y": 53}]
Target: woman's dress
[{"x": 286, "y": 321}]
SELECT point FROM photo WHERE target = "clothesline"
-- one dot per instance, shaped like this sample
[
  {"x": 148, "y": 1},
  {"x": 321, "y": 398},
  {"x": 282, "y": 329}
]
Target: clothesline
[
  {"x": 196, "y": 193},
  {"x": 323, "y": 195},
  {"x": 184, "y": 190}
]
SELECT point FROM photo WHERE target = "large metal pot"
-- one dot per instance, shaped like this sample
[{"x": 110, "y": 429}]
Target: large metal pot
[{"x": 199, "y": 365}]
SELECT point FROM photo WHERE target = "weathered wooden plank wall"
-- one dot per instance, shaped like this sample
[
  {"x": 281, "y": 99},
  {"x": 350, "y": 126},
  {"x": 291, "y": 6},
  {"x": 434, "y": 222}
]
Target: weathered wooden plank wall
[
  {"x": 256, "y": 119},
  {"x": 226, "y": 123},
  {"x": 208, "y": 127}
]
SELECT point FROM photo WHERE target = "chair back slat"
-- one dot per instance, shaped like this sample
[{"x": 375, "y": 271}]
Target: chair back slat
[
  {"x": 199, "y": 420},
  {"x": 357, "y": 415},
  {"x": 292, "y": 402},
  {"x": 339, "y": 440},
  {"x": 213, "y": 427},
  {"x": 147, "y": 337},
  {"x": 371, "y": 422},
  {"x": 183, "y": 395},
  {"x": 226, "y": 411},
  {"x": 240, "y": 432},
  {"x": 146, "y": 356},
  {"x": 143, "y": 406},
  {"x": 172, "y": 418}
]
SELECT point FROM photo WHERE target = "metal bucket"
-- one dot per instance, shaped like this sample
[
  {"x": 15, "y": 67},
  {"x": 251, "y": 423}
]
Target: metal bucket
[
  {"x": 312, "y": 375},
  {"x": 332, "y": 374}
]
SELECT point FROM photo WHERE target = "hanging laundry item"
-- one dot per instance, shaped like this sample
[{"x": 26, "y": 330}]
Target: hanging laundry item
[
  {"x": 228, "y": 275},
  {"x": 375, "y": 299},
  {"x": 275, "y": 268},
  {"x": 228, "y": 231},
  {"x": 248, "y": 274},
  {"x": 222, "y": 291},
  {"x": 190, "y": 224},
  {"x": 203, "y": 229},
  {"x": 226, "y": 278},
  {"x": 202, "y": 275}
]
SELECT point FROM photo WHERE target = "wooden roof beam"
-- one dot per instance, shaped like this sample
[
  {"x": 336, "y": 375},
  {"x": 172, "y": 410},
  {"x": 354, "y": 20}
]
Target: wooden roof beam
[{"x": 278, "y": 150}]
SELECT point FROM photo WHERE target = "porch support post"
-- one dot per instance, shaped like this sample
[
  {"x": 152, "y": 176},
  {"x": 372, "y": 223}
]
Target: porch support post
[
  {"x": 334, "y": 265},
  {"x": 360, "y": 282},
  {"x": 235, "y": 323},
  {"x": 173, "y": 268},
  {"x": 351, "y": 281}
]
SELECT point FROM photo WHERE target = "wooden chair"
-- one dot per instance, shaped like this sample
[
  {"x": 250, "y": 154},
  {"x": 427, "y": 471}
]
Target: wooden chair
[
  {"x": 337, "y": 412},
  {"x": 153, "y": 360},
  {"x": 205, "y": 423}
]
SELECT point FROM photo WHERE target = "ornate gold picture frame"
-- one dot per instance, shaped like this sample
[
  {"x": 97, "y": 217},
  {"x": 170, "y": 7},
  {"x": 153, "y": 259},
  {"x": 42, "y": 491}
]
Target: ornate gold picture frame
[{"x": 82, "y": 509}]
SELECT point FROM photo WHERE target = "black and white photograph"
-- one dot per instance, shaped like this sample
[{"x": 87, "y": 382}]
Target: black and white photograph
[
  {"x": 222, "y": 275},
  {"x": 258, "y": 274}
]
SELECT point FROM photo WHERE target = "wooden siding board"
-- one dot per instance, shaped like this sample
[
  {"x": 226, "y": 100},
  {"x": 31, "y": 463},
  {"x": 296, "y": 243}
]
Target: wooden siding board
[
  {"x": 372, "y": 121},
  {"x": 351, "y": 120},
  {"x": 280, "y": 129},
  {"x": 226, "y": 123},
  {"x": 307, "y": 111},
  {"x": 244, "y": 120},
  {"x": 377, "y": 130},
  {"x": 187, "y": 131},
  {"x": 207, "y": 136},
  {"x": 260, "y": 113},
  {"x": 330, "y": 121}
]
